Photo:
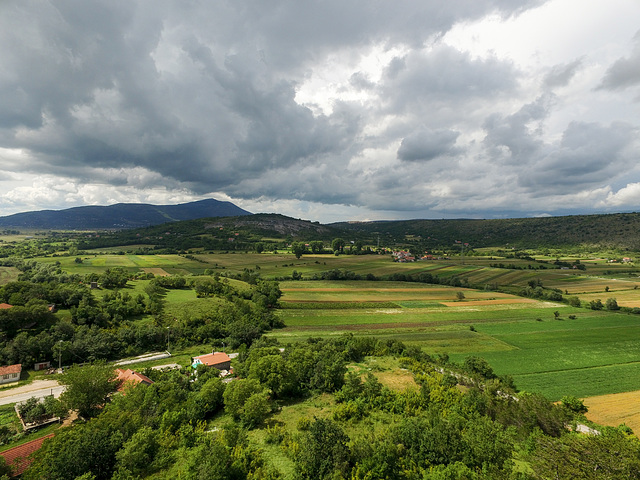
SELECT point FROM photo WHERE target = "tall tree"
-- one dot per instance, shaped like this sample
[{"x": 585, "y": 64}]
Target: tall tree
[
  {"x": 298, "y": 248},
  {"x": 337, "y": 245},
  {"x": 88, "y": 388}
]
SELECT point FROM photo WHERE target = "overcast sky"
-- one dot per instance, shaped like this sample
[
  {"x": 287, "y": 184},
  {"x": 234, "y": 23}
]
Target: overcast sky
[{"x": 325, "y": 110}]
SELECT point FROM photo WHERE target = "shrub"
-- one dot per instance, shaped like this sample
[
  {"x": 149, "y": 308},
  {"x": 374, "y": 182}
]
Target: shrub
[{"x": 611, "y": 304}]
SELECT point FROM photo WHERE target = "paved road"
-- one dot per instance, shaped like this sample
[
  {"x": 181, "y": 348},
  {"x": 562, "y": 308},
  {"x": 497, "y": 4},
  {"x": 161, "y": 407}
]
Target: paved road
[
  {"x": 38, "y": 388},
  {"x": 144, "y": 358}
]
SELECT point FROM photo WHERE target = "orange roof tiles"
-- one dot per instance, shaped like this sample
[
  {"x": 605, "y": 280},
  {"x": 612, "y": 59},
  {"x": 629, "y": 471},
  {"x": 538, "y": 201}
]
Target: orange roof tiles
[
  {"x": 18, "y": 457},
  {"x": 131, "y": 376},
  {"x": 17, "y": 368},
  {"x": 5, "y": 305},
  {"x": 211, "y": 359}
]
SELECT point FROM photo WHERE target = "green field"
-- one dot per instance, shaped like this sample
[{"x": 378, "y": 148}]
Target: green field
[{"x": 519, "y": 337}]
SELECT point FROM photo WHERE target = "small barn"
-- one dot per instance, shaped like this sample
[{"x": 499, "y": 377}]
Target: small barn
[{"x": 42, "y": 366}]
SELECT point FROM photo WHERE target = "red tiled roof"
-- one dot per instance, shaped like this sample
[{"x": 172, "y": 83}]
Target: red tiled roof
[
  {"x": 5, "y": 305},
  {"x": 131, "y": 376},
  {"x": 18, "y": 457},
  {"x": 211, "y": 359},
  {"x": 17, "y": 368}
]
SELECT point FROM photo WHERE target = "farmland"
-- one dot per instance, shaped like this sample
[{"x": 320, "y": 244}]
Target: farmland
[
  {"x": 593, "y": 353},
  {"x": 545, "y": 346},
  {"x": 528, "y": 314}
]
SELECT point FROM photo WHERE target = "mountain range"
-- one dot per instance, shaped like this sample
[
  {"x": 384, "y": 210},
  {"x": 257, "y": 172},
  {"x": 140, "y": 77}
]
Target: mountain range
[
  {"x": 198, "y": 220},
  {"x": 120, "y": 215}
]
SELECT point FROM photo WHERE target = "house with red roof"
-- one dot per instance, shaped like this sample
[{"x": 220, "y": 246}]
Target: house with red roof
[
  {"x": 130, "y": 377},
  {"x": 10, "y": 374},
  {"x": 5, "y": 306},
  {"x": 18, "y": 458},
  {"x": 219, "y": 360}
]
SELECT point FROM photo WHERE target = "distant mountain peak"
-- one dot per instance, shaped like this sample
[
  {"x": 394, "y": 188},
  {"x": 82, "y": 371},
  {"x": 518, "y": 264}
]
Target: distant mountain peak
[{"x": 121, "y": 215}]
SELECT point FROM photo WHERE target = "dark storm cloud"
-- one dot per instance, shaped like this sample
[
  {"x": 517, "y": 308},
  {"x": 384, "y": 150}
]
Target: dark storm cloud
[
  {"x": 204, "y": 93},
  {"x": 204, "y": 97},
  {"x": 588, "y": 155},
  {"x": 427, "y": 144}
]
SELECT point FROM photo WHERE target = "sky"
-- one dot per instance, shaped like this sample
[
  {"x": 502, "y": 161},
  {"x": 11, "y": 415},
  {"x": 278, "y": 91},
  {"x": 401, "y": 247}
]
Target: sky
[{"x": 323, "y": 110}]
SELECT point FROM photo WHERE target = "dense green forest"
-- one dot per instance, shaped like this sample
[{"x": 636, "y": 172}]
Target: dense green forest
[
  {"x": 591, "y": 231},
  {"x": 611, "y": 231}
]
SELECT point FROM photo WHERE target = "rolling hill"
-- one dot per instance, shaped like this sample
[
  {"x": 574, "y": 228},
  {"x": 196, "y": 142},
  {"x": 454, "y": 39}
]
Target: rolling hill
[
  {"x": 612, "y": 231},
  {"x": 120, "y": 215},
  {"x": 616, "y": 230}
]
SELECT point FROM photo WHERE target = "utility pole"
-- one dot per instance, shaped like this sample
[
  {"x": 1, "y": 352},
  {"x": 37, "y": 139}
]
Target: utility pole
[{"x": 462, "y": 245}]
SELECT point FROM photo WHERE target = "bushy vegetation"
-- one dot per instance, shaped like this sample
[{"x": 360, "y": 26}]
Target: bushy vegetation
[
  {"x": 105, "y": 326},
  {"x": 432, "y": 431}
]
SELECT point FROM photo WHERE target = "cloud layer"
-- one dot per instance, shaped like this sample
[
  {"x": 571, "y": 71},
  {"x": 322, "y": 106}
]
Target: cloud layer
[{"x": 335, "y": 110}]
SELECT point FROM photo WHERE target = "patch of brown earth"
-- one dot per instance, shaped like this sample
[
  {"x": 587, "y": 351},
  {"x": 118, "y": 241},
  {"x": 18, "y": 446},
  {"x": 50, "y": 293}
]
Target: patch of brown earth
[
  {"x": 615, "y": 409},
  {"x": 158, "y": 272}
]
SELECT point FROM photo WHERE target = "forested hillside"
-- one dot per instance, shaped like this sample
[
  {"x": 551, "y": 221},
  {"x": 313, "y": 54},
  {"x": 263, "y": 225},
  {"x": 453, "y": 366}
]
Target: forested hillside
[
  {"x": 614, "y": 231},
  {"x": 223, "y": 233},
  {"x": 594, "y": 231},
  {"x": 120, "y": 215},
  {"x": 295, "y": 413}
]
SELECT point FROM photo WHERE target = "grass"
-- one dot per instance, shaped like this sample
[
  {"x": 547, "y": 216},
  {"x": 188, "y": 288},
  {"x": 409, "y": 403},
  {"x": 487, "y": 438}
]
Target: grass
[
  {"x": 518, "y": 336},
  {"x": 615, "y": 410},
  {"x": 184, "y": 305},
  {"x": 8, "y": 274}
]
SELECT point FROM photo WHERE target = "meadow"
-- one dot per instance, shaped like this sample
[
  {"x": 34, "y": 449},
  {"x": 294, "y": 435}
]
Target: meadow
[
  {"x": 591, "y": 353},
  {"x": 536, "y": 342}
]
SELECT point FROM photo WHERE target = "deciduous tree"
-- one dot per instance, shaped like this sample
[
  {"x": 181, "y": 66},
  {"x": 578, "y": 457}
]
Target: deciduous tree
[{"x": 88, "y": 388}]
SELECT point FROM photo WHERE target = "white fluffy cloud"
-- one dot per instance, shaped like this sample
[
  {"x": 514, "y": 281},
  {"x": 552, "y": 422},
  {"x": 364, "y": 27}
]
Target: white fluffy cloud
[{"x": 317, "y": 109}]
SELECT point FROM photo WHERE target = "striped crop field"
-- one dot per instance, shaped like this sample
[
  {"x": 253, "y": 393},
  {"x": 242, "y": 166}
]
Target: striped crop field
[
  {"x": 547, "y": 347},
  {"x": 421, "y": 314}
]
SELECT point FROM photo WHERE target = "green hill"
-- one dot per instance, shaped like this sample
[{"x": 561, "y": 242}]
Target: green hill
[
  {"x": 617, "y": 231},
  {"x": 612, "y": 231},
  {"x": 120, "y": 215}
]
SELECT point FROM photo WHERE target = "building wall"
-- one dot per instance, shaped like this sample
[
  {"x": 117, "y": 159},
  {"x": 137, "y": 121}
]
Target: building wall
[{"x": 9, "y": 378}]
